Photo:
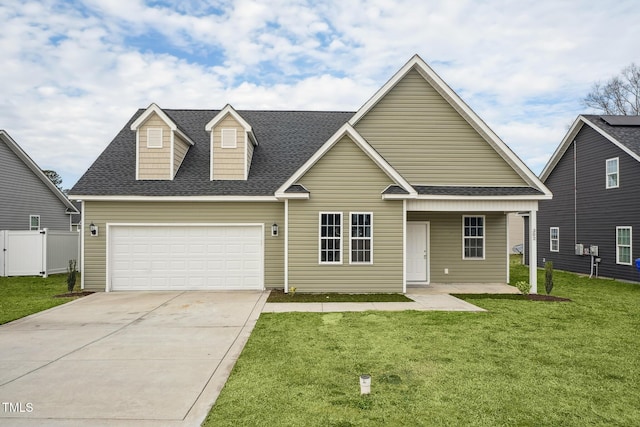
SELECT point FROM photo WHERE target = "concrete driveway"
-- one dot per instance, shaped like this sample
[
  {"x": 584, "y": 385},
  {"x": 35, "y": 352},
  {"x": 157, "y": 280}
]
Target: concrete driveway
[{"x": 124, "y": 358}]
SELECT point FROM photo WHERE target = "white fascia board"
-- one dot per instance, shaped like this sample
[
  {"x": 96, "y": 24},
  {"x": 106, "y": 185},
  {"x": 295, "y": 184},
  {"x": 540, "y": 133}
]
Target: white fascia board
[
  {"x": 286, "y": 196},
  {"x": 153, "y": 108},
  {"x": 348, "y": 130},
  {"x": 397, "y": 197},
  {"x": 228, "y": 109},
  {"x": 462, "y": 108},
  {"x": 28, "y": 161},
  {"x": 612, "y": 139},
  {"x": 94, "y": 198}
]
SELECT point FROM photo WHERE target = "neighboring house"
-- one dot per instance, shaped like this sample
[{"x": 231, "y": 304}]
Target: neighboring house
[
  {"x": 595, "y": 179},
  {"x": 28, "y": 199},
  {"x": 411, "y": 189}
]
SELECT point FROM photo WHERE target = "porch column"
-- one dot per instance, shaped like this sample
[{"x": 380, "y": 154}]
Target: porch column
[{"x": 533, "y": 252}]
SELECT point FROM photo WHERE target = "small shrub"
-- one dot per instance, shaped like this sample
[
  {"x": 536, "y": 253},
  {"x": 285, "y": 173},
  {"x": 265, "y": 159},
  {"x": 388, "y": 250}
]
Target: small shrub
[
  {"x": 71, "y": 275},
  {"x": 292, "y": 291},
  {"x": 523, "y": 287},
  {"x": 548, "y": 277}
]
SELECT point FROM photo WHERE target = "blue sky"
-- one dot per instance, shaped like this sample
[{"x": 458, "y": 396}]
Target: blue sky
[{"x": 74, "y": 71}]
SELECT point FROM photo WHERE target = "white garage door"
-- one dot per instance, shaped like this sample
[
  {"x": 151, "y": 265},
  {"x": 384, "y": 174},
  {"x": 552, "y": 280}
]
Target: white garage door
[{"x": 185, "y": 257}]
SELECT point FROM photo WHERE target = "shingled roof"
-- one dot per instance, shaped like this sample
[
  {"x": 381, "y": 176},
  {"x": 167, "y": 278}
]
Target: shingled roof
[
  {"x": 626, "y": 134},
  {"x": 287, "y": 139}
]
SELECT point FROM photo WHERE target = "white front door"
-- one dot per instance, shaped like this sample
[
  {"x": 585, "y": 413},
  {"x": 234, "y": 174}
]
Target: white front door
[{"x": 417, "y": 252}]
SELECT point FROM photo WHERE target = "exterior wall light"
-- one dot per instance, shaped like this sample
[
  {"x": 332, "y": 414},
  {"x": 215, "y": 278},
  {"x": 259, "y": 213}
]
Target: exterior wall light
[
  {"x": 93, "y": 229},
  {"x": 274, "y": 230}
]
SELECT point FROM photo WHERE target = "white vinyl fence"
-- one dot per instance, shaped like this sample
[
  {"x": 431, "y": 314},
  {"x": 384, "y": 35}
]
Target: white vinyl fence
[{"x": 37, "y": 253}]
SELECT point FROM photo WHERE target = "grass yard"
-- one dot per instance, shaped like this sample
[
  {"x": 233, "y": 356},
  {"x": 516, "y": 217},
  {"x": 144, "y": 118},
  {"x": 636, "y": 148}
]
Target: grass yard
[
  {"x": 21, "y": 296},
  {"x": 522, "y": 363}
]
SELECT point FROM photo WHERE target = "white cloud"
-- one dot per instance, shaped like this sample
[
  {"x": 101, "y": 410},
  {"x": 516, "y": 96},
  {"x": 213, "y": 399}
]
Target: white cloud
[{"x": 73, "y": 73}]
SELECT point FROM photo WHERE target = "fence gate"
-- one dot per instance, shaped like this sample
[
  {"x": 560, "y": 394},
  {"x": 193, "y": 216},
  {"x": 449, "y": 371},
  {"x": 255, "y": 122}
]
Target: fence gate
[{"x": 37, "y": 253}]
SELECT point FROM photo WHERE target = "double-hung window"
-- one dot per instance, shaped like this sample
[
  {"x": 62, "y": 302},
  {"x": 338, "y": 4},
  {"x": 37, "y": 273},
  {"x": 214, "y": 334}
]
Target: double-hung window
[
  {"x": 34, "y": 222},
  {"x": 473, "y": 237},
  {"x": 613, "y": 173},
  {"x": 330, "y": 238},
  {"x": 554, "y": 239},
  {"x": 361, "y": 236},
  {"x": 623, "y": 245}
]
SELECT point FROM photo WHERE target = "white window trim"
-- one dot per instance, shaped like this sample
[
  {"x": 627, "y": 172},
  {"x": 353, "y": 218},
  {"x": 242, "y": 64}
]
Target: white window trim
[
  {"x": 630, "y": 228},
  {"x": 339, "y": 239},
  {"x": 370, "y": 239},
  {"x": 551, "y": 239},
  {"x": 30, "y": 219},
  {"x": 222, "y": 138},
  {"x": 149, "y": 130},
  {"x": 484, "y": 238},
  {"x": 617, "y": 172}
]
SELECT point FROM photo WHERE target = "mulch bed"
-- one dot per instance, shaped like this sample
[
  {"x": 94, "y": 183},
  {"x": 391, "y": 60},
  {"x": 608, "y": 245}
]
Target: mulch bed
[{"x": 74, "y": 294}]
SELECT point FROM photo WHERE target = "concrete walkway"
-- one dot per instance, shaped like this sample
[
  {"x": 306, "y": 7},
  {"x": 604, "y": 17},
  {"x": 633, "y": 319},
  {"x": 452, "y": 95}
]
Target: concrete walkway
[
  {"x": 124, "y": 358},
  {"x": 425, "y": 298}
]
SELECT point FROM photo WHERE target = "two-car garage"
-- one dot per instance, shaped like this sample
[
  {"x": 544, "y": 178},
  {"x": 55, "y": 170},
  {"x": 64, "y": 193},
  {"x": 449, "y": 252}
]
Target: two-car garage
[{"x": 185, "y": 257}]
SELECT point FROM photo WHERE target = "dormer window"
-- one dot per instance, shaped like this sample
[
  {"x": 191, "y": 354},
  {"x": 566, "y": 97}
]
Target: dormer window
[
  {"x": 154, "y": 137},
  {"x": 229, "y": 138}
]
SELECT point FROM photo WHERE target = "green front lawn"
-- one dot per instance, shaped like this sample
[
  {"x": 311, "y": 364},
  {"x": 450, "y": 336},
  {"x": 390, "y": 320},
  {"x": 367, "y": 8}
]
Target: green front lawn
[
  {"x": 21, "y": 296},
  {"x": 279, "y": 296},
  {"x": 521, "y": 363}
]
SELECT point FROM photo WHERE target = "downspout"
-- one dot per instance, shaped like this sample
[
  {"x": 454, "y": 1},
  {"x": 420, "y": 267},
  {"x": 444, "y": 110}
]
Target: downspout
[{"x": 575, "y": 194}]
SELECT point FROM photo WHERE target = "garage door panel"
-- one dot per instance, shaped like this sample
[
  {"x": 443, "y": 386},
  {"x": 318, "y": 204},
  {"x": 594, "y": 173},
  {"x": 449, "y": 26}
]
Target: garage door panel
[{"x": 186, "y": 257}]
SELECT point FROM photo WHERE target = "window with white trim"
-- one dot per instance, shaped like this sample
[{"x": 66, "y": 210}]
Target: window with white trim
[
  {"x": 228, "y": 138},
  {"x": 361, "y": 238},
  {"x": 613, "y": 173},
  {"x": 473, "y": 237},
  {"x": 34, "y": 222},
  {"x": 330, "y": 236},
  {"x": 623, "y": 245},
  {"x": 154, "y": 137},
  {"x": 554, "y": 239}
]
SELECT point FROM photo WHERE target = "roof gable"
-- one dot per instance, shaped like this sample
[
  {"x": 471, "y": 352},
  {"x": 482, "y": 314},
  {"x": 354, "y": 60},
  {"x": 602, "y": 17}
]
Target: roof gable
[
  {"x": 229, "y": 110},
  {"x": 154, "y": 108},
  {"x": 416, "y": 64},
  {"x": 346, "y": 130},
  {"x": 625, "y": 137},
  {"x": 35, "y": 169}
]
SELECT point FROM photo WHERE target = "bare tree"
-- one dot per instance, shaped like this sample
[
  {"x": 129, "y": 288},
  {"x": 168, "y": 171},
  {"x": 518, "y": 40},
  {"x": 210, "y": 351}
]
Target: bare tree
[
  {"x": 618, "y": 96},
  {"x": 54, "y": 177}
]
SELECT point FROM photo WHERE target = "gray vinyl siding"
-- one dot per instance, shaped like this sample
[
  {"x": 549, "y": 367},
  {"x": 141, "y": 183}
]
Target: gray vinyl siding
[
  {"x": 345, "y": 180},
  {"x": 22, "y": 193},
  {"x": 425, "y": 139},
  {"x": 101, "y": 213},
  {"x": 599, "y": 210},
  {"x": 445, "y": 248}
]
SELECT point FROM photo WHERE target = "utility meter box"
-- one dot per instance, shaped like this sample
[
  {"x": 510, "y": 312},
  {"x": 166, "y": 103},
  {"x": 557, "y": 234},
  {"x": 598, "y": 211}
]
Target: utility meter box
[
  {"x": 593, "y": 250},
  {"x": 579, "y": 249}
]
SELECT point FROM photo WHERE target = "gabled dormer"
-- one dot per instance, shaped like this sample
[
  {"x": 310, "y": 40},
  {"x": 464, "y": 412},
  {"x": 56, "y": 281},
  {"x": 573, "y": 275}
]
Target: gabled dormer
[
  {"x": 160, "y": 145},
  {"x": 232, "y": 144}
]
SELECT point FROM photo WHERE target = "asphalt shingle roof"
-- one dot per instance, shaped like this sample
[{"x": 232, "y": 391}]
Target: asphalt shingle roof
[
  {"x": 438, "y": 190},
  {"x": 286, "y": 139},
  {"x": 628, "y": 136}
]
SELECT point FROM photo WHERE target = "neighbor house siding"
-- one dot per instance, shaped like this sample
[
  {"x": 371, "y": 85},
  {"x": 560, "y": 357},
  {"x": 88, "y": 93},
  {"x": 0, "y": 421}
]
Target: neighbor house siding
[
  {"x": 101, "y": 213},
  {"x": 228, "y": 163},
  {"x": 179, "y": 151},
  {"x": 425, "y": 139},
  {"x": 599, "y": 210},
  {"x": 345, "y": 180},
  {"x": 22, "y": 193},
  {"x": 154, "y": 163},
  {"x": 445, "y": 248}
]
